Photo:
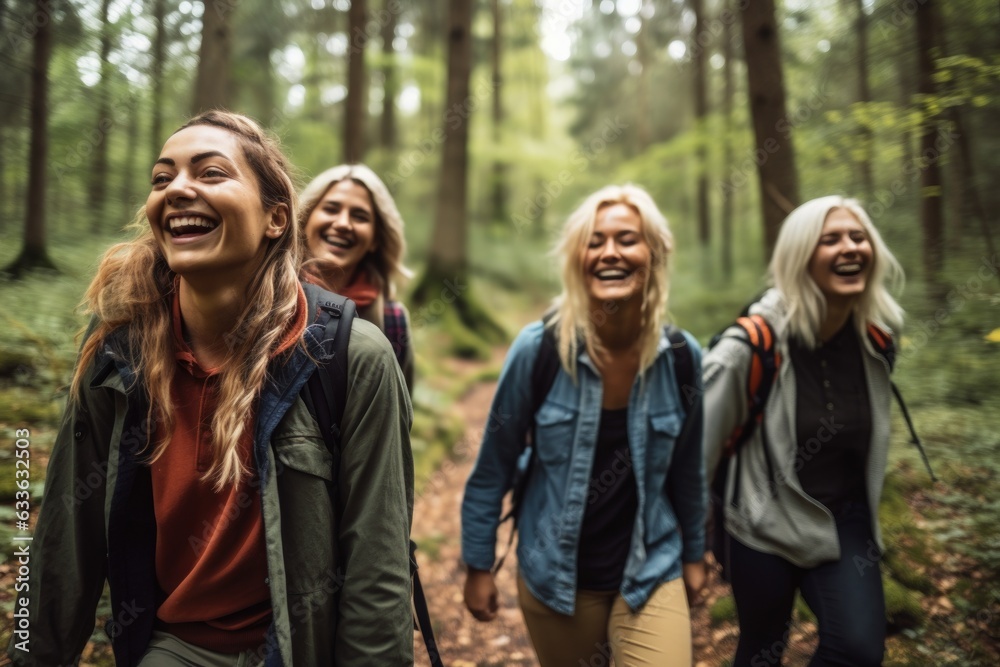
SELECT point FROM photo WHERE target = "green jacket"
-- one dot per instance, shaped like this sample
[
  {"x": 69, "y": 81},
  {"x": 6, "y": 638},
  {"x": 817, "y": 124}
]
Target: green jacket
[{"x": 340, "y": 590}]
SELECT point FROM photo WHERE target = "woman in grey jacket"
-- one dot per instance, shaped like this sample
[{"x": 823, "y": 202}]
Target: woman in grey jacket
[{"x": 801, "y": 495}]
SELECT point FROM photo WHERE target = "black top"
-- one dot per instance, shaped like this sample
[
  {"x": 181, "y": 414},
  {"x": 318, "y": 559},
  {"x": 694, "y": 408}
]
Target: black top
[
  {"x": 832, "y": 419},
  {"x": 612, "y": 503}
]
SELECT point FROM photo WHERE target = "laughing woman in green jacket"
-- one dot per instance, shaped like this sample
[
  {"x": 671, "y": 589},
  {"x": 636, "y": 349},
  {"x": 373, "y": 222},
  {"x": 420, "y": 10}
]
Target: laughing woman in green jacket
[{"x": 188, "y": 472}]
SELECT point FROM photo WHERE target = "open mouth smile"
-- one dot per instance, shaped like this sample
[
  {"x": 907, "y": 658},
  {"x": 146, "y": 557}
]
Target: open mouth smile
[
  {"x": 848, "y": 269},
  {"x": 186, "y": 226},
  {"x": 608, "y": 275}
]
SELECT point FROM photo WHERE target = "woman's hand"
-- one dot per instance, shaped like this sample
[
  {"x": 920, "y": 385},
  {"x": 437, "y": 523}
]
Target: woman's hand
[
  {"x": 481, "y": 595},
  {"x": 695, "y": 576}
]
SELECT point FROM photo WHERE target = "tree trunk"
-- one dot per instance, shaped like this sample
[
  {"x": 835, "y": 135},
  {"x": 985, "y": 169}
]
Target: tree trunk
[
  {"x": 499, "y": 189},
  {"x": 158, "y": 55},
  {"x": 865, "y": 134},
  {"x": 390, "y": 85},
  {"x": 779, "y": 191},
  {"x": 354, "y": 105},
  {"x": 129, "y": 171},
  {"x": 447, "y": 262},
  {"x": 727, "y": 140},
  {"x": 34, "y": 254},
  {"x": 212, "y": 87},
  {"x": 99, "y": 173},
  {"x": 931, "y": 214},
  {"x": 700, "y": 115},
  {"x": 643, "y": 117}
]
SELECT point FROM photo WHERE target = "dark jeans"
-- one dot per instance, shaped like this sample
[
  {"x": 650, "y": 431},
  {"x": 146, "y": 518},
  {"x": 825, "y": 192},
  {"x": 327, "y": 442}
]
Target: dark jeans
[{"x": 846, "y": 596}]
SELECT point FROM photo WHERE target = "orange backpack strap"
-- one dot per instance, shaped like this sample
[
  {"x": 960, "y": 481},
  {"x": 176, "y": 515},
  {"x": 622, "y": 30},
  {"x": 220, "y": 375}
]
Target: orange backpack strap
[
  {"x": 764, "y": 363},
  {"x": 882, "y": 341}
]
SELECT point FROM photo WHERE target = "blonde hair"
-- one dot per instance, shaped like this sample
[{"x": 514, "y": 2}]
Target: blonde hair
[
  {"x": 386, "y": 262},
  {"x": 573, "y": 318},
  {"x": 805, "y": 303},
  {"x": 134, "y": 286}
]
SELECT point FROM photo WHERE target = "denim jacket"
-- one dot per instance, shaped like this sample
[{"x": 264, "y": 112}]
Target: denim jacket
[{"x": 666, "y": 455}]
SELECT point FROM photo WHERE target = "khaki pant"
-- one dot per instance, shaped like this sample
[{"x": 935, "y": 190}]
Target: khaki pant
[
  {"x": 604, "y": 627},
  {"x": 166, "y": 650}
]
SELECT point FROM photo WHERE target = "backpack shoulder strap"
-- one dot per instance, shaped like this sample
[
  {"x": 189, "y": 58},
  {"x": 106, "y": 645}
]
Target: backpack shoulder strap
[
  {"x": 326, "y": 397},
  {"x": 546, "y": 367},
  {"x": 883, "y": 343},
  {"x": 687, "y": 389},
  {"x": 327, "y": 386},
  {"x": 764, "y": 363}
]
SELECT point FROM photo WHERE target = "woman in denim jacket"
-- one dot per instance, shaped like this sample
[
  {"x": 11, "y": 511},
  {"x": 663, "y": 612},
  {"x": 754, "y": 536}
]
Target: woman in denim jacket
[{"x": 612, "y": 520}]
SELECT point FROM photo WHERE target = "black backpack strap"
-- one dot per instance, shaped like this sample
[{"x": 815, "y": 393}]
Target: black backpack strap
[
  {"x": 327, "y": 387},
  {"x": 543, "y": 375},
  {"x": 326, "y": 398},
  {"x": 883, "y": 343},
  {"x": 687, "y": 387}
]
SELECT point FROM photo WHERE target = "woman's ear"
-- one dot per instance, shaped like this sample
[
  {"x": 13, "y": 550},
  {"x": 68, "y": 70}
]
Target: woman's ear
[{"x": 278, "y": 223}]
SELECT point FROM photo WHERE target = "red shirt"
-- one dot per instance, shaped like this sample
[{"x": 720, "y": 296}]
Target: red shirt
[{"x": 210, "y": 558}]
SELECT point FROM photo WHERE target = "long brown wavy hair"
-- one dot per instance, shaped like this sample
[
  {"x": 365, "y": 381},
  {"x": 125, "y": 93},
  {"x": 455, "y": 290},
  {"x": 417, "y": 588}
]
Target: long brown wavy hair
[{"x": 133, "y": 290}]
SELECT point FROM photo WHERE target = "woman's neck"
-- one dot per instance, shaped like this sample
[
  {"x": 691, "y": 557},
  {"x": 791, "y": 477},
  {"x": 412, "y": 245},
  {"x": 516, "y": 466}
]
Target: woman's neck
[
  {"x": 838, "y": 312},
  {"x": 210, "y": 315},
  {"x": 620, "y": 329}
]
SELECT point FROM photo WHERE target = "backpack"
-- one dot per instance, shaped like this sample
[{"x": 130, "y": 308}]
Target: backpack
[
  {"x": 325, "y": 395},
  {"x": 543, "y": 375},
  {"x": 764, "y": 363}
]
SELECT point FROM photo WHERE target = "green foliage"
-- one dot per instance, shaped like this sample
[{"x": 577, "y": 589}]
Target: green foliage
[
  {"x": 902, "y": 606},
  {"x": 723, "y": 611}
]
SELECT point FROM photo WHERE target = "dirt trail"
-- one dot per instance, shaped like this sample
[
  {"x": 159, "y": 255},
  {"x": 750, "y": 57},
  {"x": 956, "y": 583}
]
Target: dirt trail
[{"x": 462, "y": 640}]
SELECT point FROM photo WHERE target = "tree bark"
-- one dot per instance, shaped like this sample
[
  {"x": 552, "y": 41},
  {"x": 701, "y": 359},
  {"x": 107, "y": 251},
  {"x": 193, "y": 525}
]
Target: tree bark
[
  {"x": 447, "y": 262},
  {"x": 643, "y": 117},
  {"x": 772, "y": 129},
  {"x": 499, "y": 189},
  {"x": 931, "y": 214},
  {"x": 129, "y": 166},
  {"x": 354, "y": 105},
  {"x": 865, "y": 134},
  {"x": 34, "y": 254},
  {"x": 727, "y": 140},
  {"x": 99, "y": 173},
  {"x": 390, "y": 86},
  {"x": 700, "y": 115},
  {"x": 212, "y": 87},
  {"x": 158, "y": 55}
]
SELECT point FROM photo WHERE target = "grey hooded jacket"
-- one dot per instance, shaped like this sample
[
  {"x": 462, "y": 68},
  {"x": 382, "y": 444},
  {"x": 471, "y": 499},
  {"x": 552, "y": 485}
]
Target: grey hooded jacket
[{"x": 782, "y": 520}]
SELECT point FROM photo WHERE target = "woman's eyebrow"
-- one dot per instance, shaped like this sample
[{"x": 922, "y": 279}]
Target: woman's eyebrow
[{"x": 207, "y": 154}]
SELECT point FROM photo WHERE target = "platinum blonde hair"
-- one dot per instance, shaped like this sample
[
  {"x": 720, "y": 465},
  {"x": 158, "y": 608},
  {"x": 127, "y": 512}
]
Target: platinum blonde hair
[
  {"x": 574, "y": 318},
  {"x": 386, "y": 262},
  {"x": 805, "y": 303}
]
